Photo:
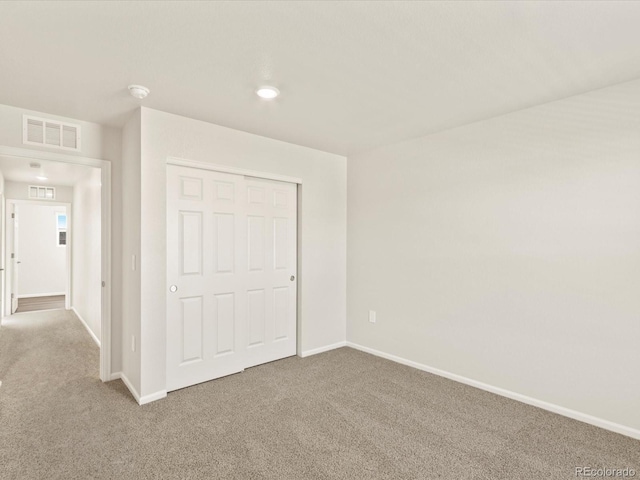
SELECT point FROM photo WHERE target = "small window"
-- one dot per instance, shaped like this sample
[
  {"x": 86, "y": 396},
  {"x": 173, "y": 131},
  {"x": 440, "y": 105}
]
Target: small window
[{"x": 61, "y": 229}]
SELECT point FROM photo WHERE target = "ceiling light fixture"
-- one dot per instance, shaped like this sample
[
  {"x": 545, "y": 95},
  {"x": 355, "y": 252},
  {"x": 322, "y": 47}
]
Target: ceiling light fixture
[
  {"x": 268, "y": 93},
  {"x": 41, "y": 177},
  {"x": 138, "y": 91}
]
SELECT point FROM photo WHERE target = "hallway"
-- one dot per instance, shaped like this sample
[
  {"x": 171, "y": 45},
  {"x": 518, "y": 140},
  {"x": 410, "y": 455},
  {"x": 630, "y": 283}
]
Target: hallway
[{"x": 51, "y": 397}]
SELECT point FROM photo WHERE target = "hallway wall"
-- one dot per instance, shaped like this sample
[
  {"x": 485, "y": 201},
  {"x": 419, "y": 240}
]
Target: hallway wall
[{"x": 86, "y": 290}]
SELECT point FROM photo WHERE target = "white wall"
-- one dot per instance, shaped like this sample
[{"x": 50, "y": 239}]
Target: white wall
[
  {"x": 323, "y": 225},
  {"x": 507, "y": 252},
  {"x": 86, "y": 278},
  {"x": 99, "y": 142},
  {"x": 131, "y": 157},
  {"x": 20, "y": 191},
  {"x": 43, "y": 267}
]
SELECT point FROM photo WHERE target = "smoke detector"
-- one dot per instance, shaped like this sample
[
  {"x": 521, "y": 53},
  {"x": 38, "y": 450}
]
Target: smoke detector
[{"x": 138, "y": 91}]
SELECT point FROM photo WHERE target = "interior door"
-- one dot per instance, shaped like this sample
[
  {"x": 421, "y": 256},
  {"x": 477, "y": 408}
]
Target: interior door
[
  {"x": 205, "y": 273},
  {"x": 271, "y": 276},
  {"x": 231, "y": 265}
]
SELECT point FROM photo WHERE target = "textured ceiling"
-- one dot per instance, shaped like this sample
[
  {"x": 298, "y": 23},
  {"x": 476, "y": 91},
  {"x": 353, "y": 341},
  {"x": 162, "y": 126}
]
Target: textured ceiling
[{"x": 353, "y": 75}]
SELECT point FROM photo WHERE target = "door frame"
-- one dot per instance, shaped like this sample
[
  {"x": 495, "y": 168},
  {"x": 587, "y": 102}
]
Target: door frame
[
  {"x": 3, "y": 267},
  {"x": 181, "y": 162},
  {"x": 69, "y": 212},
  {"x": 105, "y": 220}
]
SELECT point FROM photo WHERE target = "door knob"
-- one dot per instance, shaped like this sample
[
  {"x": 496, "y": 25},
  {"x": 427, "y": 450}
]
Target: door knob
[
  {"x": 292, "y": 278},
  {"x": 173, "y": 288}
]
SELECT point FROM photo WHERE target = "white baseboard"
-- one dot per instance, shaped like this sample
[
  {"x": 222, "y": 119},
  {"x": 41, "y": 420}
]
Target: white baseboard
[
  {"x": 93, "y": 335},
  {"x": 34, "y": 295},
  {"x": 141, "y": 400},
  {"x": 152, "y": 397},
  {"x": 326, "y": 348},
  {"x": 567, "y": 412}
]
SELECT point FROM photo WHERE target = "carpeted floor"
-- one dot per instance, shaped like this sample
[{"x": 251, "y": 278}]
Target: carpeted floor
[
  {"x": 33, "y": 304},
  {"x": 338, "y": 415}
]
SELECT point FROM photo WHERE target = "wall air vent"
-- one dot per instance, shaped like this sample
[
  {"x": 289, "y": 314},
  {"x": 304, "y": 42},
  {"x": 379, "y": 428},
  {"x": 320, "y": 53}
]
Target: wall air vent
[
  {"x": 42, "y": 193},
  {"x": 50, "y": 133}
]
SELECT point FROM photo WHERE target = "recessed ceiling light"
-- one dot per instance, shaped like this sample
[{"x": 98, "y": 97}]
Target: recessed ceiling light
[
  {"x": 268, "y": 93},
  {"x": 138, "y": 91},
  {"x": 41, "y": 177}
]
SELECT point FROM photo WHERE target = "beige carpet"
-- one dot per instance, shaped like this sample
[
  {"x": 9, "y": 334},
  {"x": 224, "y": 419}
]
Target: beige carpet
[
  {"x": 342, "y": 414},
  {"x": 33, "y": 304}
]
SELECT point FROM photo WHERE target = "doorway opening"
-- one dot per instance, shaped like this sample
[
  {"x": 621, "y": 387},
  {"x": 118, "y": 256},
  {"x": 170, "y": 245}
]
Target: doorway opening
[
  {"x": 39, "y": 255},
  {"x": 55, "y": 234}
]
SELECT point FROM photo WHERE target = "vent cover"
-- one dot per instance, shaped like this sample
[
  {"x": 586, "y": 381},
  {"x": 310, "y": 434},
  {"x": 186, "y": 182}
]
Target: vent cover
[
  {"x": 42, "y": 193},
  {"x": 50, "y": 133}
]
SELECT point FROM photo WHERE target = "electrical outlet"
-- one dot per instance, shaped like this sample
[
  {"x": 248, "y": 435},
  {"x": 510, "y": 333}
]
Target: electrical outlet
[
  {"x": 372, "y": 316},
  {"x": 133, "y": 343}
]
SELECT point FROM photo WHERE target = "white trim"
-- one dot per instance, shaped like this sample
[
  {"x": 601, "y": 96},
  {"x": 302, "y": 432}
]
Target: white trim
[
  {"x": 299, "y": 326},
  {"x": 152, "y": 397},
  {"x": 35, "y": 295},
  {"x": 93, "y": 335},
  {"x": 326, "y": 348},
  {"x": 141, "y": 400},
  {"x": 3, "y": 240},
  {"x": 105, "y": 267},
  {"x": 105, "y": 168},
  {"x": 226, "y": 169},
  {"x": 39, "y": 201},
  {"x": 566, "y": 412}
]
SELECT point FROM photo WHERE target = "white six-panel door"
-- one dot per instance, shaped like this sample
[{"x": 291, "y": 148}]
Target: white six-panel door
[
  {"x": 271, "y": 283},
  {"x": 231, "y": 266}
]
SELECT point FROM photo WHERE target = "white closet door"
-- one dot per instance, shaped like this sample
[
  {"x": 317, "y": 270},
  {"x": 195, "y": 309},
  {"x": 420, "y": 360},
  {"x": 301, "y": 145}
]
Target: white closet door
[
  {"x": 271, "y": 283},
  {"x": 205, "y": 267},
  {"x": 231, "y": 262}
]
